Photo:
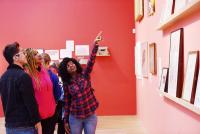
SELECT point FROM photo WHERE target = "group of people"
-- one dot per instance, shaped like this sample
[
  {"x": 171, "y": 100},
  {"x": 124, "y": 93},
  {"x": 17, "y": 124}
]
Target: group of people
[{"x": 34, "y": 99}]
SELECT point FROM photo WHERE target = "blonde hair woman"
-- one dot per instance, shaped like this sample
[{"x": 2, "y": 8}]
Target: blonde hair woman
[{"x": 43, "y": 89}]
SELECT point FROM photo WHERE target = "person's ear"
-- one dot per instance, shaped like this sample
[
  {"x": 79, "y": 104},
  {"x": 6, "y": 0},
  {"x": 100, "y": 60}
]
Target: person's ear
[{"x": 15, "y": 58}]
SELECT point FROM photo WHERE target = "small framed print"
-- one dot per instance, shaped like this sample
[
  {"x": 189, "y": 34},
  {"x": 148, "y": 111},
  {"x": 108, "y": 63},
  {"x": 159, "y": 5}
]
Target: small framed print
[
  {"x": 144, "y": 56},
  {"x": 168, "y": 10},
  {"x": 138, "y": 60},
  {"x": 191, "y": 75},
  {"x": 179, "y": 4},
  {"x": 139, "y": 10},
  {"x": 176, "y": 64},
  {"x": 152, "y": 58},
  {"x": 164, "y": 80},
  {"x": 151, "y": 7},
  {"x": 54, "y": 54}
]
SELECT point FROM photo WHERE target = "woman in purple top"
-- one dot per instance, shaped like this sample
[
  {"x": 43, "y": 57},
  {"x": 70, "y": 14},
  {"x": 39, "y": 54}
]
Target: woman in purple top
[{"x": 80, "y": 102}]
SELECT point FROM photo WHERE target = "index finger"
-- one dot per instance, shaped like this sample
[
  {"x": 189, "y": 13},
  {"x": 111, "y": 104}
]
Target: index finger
[{"x": 100, "y": 33}]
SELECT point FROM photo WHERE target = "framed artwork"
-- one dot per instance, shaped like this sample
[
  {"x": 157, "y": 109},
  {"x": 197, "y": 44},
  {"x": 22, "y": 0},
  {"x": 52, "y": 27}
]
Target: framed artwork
[
  {"x": 164, "y": 80},
  {"x": 138, "y": 60},
  {"x": 65, "y": 53},
  {"x": 152, "y": 58},
  {"x": 189, "y": 1},
  {"x": 103, "y": 51},
  {"x": 176, "y": 63},
  {"x": 40, "y": 50},
  {"x": 168, "y": 10},
  {"x": 144, "y": 56},
  {"x": 197, "y": 94},
  {"x": 191, "y": 75},
  {"x": 139, "y": 10},
  {"x": 179, "y": 4},
  {"x": 151, "y": 7},
  {"x": 54, "y": 54},
  {"x": 82, "y": 50}
]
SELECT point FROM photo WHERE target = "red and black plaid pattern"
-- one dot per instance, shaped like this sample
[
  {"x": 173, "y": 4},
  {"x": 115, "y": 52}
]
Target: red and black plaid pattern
[{"x": 79, "y": 98}]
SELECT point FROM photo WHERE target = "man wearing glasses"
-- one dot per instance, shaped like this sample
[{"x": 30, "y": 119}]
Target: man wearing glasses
[{"x": 17, "y": 95}]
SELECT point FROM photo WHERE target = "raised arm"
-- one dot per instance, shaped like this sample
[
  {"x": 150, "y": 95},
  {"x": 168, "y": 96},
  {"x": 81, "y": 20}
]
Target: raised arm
[{"x": 92, "y": 57}]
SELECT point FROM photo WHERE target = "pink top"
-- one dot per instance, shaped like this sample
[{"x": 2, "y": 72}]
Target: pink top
[{"x": 44, "y": 95}]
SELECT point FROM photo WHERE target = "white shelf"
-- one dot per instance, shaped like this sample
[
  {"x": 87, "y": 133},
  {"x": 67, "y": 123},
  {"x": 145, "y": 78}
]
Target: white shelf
[
  {"x": 181, "y": 102},
  {"x": 182, "y": 14}
]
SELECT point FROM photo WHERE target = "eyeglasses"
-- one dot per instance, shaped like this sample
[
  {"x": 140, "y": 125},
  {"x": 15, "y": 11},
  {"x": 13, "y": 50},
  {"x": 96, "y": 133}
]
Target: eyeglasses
[{"x": 22, "y": 52}]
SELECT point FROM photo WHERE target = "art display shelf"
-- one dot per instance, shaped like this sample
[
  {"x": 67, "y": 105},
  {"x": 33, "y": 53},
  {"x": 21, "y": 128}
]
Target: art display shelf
[
  {"x": 181, "y": 102},
  {"x": 189, "y": 9}
]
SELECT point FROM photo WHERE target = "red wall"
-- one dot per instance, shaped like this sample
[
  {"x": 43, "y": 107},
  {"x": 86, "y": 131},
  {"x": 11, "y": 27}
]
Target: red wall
[
  {"x": 47, "y": 24},
  {"x": 160, "y": 115}
]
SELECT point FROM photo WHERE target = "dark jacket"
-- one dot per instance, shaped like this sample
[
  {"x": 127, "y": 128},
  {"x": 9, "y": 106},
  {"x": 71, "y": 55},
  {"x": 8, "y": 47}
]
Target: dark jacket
[{"x": 17, "y": 95}]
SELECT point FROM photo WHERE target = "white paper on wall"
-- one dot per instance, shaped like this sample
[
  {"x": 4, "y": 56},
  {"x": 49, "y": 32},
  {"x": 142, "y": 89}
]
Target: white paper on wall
[
  {"x": 65, "y": 53},
  {"x": 82, "y": 50},
  {"x": 40, "y": 51},
  {"x": 54, "y": 54},
  {"x": 70, "y": 45}
]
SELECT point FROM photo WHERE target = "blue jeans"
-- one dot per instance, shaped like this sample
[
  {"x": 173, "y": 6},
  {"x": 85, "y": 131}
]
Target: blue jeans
[
  {"x": 78, "y": 125},
  {"x": 21, "y": 130}
]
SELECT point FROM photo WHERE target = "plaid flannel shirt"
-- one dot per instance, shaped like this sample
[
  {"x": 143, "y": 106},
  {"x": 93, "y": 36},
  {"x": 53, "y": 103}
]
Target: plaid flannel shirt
[{"x": 79, "y": 98}]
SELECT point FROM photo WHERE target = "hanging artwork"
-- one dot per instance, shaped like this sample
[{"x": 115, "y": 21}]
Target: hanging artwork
[
  {"x": 167, "y": 11},
  {"x": 40, "y": 50},
  {"x": 179, "y": 4},
  {"x": 175, "y": 79},
  {"x": 54, "y": 54},
  {"x": 164, "y": 80},
  {"x": 191, "y": 75},
  {"x": 151, "y": 7},
  {"x": 144, "y": 54},
  {"x": 138, "y": 60},
  {"x": 152, "y": 58},
  {"x": 139, "y": 10}
]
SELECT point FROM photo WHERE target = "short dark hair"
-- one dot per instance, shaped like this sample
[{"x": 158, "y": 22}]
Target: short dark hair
[{"x": 10, "y": 50}]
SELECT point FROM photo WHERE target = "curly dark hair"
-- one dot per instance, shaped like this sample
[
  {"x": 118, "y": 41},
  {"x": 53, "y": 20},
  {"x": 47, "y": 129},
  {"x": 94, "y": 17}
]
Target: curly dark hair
[{"x": 64, "y": 74}]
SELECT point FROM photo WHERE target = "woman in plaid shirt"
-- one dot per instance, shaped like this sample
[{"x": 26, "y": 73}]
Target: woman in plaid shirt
[{"x": 80, "y": 102}]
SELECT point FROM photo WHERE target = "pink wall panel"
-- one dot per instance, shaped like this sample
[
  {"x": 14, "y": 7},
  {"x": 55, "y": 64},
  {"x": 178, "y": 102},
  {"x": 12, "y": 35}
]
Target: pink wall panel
[{"x": 159, "y": 115}]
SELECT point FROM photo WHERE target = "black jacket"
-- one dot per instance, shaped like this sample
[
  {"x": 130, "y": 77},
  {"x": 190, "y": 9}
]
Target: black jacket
[{"x": 17, "y": 95}]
